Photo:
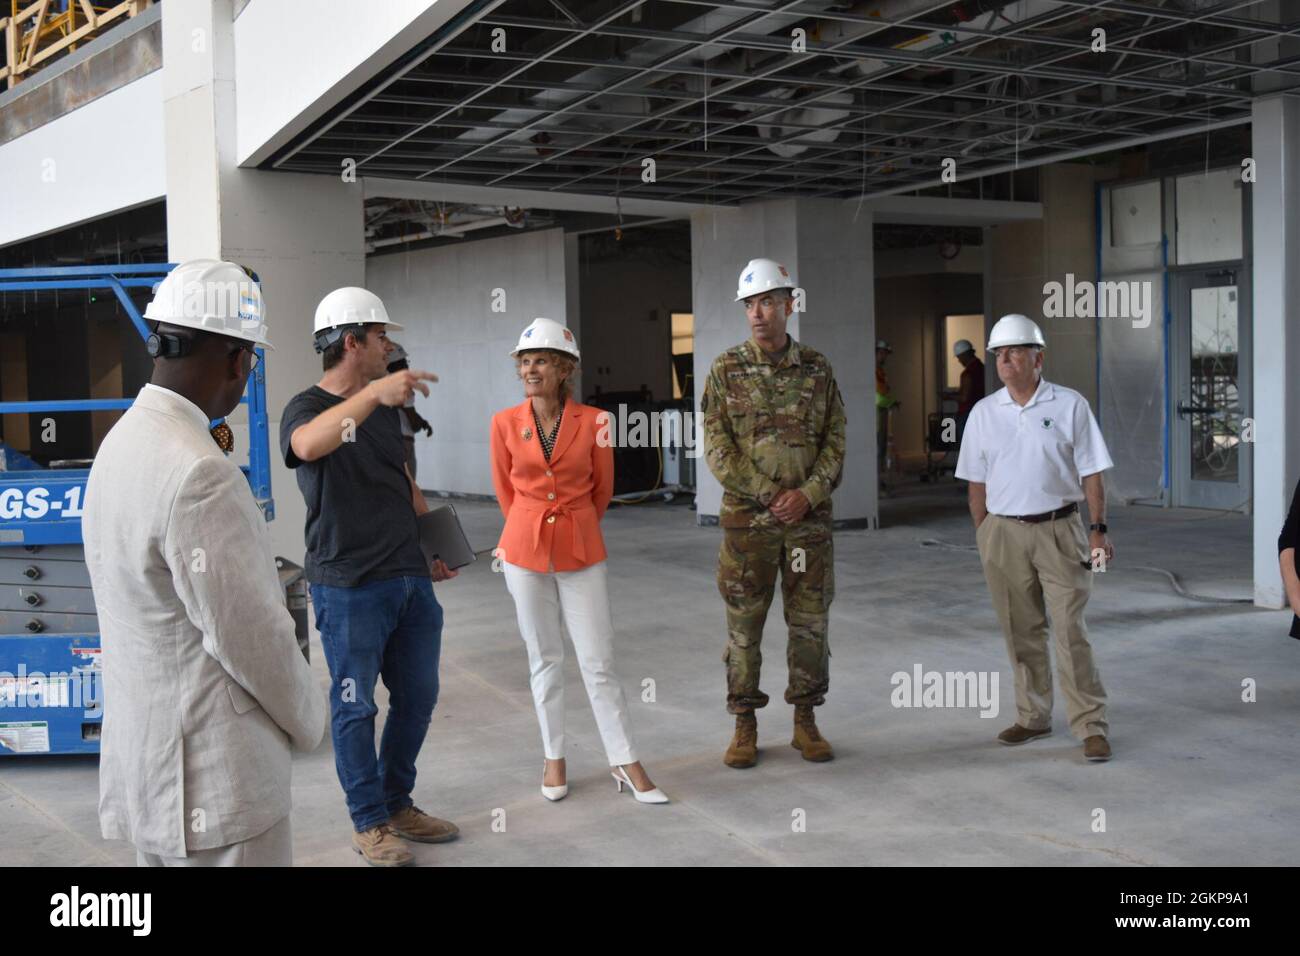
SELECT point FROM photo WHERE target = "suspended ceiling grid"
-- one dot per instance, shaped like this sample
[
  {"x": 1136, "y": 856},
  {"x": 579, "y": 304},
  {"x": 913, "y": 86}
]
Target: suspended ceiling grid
[{"x": 714, "y": 93}]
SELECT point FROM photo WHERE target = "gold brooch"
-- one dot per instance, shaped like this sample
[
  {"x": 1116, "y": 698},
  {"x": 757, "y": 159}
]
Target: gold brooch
[{"x": 526, "y": 434}]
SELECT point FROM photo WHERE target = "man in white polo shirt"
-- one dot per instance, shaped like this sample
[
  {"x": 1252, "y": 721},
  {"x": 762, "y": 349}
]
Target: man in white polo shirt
[{"x": 1031, "y": 452}]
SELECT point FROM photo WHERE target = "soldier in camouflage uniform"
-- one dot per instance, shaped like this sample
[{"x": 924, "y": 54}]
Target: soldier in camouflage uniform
[{"x": 774, "y": 438}]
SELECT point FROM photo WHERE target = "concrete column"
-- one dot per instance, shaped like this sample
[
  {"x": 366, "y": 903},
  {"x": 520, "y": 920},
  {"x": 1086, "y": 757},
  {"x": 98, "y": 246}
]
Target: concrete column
[
  {"x": 572, "y": 304},
  {"x": 991, "y": 381},
  {"x": 830, "y": 256},
  {"x": 1275, "y": 272},
  {"x": 303, "y": 235},
  {"x": 1024, "y": 256}
]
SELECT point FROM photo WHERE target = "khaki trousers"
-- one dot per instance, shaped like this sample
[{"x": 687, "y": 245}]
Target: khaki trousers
[
  {"x": 272, "y": 848},
  {"x": 1034, "y": 570}
]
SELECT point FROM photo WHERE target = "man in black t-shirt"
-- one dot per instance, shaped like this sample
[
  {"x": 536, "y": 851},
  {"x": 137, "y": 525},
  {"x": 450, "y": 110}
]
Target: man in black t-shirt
[{"x": 368, "y": 579}]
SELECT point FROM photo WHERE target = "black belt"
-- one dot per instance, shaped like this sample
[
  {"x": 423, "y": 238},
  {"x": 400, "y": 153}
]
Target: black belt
[{"x": 1061, "y": 512}]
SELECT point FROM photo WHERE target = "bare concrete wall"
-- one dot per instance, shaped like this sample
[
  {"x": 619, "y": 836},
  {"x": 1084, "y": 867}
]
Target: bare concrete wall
[
  {"x": 1028, "y": 255},
  {"x": 103, "y": 158},
  {"x": 122, "y": 54},
  {"x": 444, "y": 297}
]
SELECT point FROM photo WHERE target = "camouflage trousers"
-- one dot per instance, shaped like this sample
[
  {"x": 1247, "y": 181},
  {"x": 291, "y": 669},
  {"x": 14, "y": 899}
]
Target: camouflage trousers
[{"x": 748, "y": 565}]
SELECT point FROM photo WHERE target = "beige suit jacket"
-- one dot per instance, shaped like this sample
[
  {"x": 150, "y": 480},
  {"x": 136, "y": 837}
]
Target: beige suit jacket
[{"x": 205, "y": 689}]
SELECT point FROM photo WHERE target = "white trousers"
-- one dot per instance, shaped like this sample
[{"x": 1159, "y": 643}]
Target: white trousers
[
  {"x": 272, "y": 848},
  {"x": 581, "y": 598}
]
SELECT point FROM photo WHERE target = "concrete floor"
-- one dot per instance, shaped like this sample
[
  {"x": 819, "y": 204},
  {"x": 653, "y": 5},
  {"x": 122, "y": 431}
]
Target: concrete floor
[{"x": 1199, "y": 777}]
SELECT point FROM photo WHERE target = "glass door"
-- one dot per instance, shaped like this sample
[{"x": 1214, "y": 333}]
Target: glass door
[{"x": 1210, "y": 391}]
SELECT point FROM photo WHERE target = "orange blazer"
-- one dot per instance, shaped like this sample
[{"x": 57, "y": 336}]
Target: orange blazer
[{"x": 552, "y": 510}]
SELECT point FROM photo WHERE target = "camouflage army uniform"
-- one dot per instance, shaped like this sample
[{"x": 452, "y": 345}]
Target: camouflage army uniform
[{"x": 766, "y": 428}]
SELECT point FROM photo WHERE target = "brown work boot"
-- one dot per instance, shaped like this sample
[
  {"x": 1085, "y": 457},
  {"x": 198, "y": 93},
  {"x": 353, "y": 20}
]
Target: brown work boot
[
  {"x": 1096, "y": 748},
  {"x": 1015, "y": 734},
  {"x": 808, "y": 739},
  {"x": 380, "y": 846},
  {"x": 414, "y": 824},
  {"x": 743, "y": 751}
]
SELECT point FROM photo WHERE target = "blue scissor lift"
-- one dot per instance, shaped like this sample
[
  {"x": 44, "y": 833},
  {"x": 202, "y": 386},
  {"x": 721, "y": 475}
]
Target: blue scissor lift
[{"x": 50, "y": 700}]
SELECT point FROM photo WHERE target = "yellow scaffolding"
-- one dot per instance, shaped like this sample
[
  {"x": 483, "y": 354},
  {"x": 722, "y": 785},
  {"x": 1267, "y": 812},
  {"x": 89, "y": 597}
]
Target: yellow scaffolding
[{"x": 34, "y": 36}]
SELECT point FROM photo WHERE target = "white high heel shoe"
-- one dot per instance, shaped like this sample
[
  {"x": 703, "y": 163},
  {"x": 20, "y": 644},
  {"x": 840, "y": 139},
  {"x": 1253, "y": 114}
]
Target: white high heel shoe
[
  {"x": 642, "y": 796},
  {"x": 553, "y": 793}
]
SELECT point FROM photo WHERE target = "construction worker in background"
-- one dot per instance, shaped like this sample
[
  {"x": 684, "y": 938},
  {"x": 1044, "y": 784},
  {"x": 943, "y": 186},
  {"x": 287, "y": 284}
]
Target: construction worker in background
[
  {"x": 970, "y": 389},
  {"x": 774, "y": 438},
  {"x": 206, "y": 691},
  {"x": 368, "y": 578},
  {"x": 410, "y": 420},
  {"x": 1031, "y": 453},
  {"x": 885, "y": 403}
]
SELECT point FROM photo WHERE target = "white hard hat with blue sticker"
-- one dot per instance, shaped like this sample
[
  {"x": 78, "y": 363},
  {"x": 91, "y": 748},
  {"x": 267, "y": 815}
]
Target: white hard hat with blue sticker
[
  {"x": 762, "y": 275},
  {"x": 214, "y": 296},
  {"x": 543, "y": 333}
]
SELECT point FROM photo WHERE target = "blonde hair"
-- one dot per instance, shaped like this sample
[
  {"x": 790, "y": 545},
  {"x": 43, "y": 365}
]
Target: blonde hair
[{"x": 566, "y": 363}]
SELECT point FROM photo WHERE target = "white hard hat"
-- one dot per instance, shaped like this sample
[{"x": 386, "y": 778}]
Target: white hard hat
[
  {"x": 349, "y": 306},
  {"x": 547, "y": 334},
  {"x": 762, "y": 275},
  {"x": 211, "y": 296},
  {"x": 882, "y": 344},
  {"x": 1016, "y": 329},
  {"x": 961, "y": 346}
]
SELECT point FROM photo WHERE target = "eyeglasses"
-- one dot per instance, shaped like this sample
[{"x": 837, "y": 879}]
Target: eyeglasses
[
  {"x": 251, "y": 350},
  {"x": 1012, "y": 351}
]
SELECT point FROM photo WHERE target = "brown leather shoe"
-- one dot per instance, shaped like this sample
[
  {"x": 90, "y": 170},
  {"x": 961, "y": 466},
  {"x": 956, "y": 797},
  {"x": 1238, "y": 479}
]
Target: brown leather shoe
[
  {"x": 808, "y": 739},
  {"x": 380, "y": 846},
  {"x": 414, "y": 824},
  {"x": 743, "y": 751},
  {"x": 1015, "y": 734},
  {"x": 1096, "y": 748}
]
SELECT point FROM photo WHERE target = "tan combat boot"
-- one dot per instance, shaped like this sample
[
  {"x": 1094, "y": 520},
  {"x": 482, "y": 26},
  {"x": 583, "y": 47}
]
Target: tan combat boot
[
  {"x": 807, "y": 739},
  {"x": 743, "y": 751},
  {"x": 381, "y": 846}
]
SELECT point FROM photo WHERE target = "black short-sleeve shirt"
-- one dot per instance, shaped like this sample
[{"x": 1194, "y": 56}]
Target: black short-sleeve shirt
[
  {"x": 360, "y": 522},
  {"x": 1290, "y": 538}
]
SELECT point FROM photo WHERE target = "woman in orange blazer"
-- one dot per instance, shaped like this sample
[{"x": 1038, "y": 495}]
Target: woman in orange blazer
[{"x": 554, "y": 478}]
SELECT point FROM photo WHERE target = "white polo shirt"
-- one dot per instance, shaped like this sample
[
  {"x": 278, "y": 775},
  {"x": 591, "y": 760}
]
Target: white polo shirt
[{"x": 1032, "y": 459}]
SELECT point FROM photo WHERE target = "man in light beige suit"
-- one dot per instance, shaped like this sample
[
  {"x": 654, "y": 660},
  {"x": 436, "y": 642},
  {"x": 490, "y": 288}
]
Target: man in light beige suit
[{"x": 205, "y": 689}]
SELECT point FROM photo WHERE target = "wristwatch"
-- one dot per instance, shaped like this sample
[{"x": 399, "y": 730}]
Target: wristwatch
[{"x": 1099, "y": 526}]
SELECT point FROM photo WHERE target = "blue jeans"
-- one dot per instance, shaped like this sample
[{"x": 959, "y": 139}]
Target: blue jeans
[{"x": 390, "y": 629}]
